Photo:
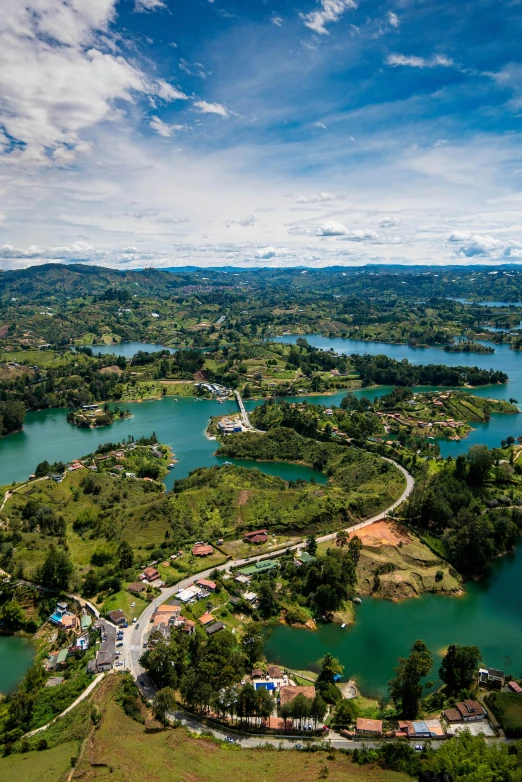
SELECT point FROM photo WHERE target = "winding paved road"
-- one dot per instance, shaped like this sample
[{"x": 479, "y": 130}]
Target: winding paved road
[{"x": 135, "y": 635}]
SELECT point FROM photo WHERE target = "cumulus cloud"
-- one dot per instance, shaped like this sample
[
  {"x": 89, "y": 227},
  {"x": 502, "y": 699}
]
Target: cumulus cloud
[
  {"x": 163, "y": 128},
  {"x": 393, "y": 19},
  {"x": 331, "y": 228},
  {"x": 475, "y": 244},
  {"x": 412, "y": 61},
  {"x": 264, "y": 253},
  {"x": 316, "y": 198},
  {"x": 59, "y": 78},
  {"x": 331, "y": 11},
  {"x": 388, "y": 222},
  {"x": 211, "y": 108}
]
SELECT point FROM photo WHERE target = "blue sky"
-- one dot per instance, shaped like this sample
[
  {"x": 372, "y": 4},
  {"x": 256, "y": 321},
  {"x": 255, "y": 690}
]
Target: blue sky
[{"x": 316, "y": 132}]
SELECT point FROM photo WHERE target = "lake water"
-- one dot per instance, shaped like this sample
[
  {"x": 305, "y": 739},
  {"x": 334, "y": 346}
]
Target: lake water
[
  {"x": 16, "y": 657},
  {"x": 129, "y": 349},
  {"x": 490, "y": 614}
]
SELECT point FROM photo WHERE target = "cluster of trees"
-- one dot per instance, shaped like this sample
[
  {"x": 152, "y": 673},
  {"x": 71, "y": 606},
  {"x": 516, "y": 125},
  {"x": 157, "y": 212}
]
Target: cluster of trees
[
  {"x": 12, "y": 417},
  {"x": 324, "y": 584},
  {"x": 451, "y": 504},
  {"x": 457, "y": 671},
  {"x": 382, "y": 370}
]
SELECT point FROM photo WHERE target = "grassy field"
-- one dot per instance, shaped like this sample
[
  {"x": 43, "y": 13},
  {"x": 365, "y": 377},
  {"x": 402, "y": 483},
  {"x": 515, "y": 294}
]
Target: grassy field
[
  {"x": 129, "y": 751},
  {"x": 50, "y": 765},
  {"x": 124, "y": 600}
]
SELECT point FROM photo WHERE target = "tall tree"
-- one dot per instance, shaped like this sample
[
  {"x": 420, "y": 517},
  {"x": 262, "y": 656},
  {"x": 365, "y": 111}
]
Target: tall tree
[
  {"x": 125, "y": 555},
  {"x": 459, "y": 667},
  {"x": 164, "y": 704},
  {"x": 56, "y": 570},
  {"x": 330, "y": 669},
  {"x": 406, "y": 689}
]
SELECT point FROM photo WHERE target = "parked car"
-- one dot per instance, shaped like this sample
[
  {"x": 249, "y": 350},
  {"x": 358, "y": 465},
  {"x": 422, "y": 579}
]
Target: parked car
[
  {"x": 418, "y": 747},
  {"x": 120, "y": 643},
  {"x": 119, "y": 663},
  {"x": 136, "y": 626}
]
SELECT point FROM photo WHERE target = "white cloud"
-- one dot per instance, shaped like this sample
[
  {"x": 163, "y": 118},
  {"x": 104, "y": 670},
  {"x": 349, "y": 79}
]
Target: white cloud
[
  {"x": 265, "y": 253},
  {"x": 331, "y": 11},
  {"x": 147, "y": 5},
  {"x": 393, "y": 19},
  {"x": 211, "y": 108},
  {"x": 331, "y": 228},
  {"x": 316, "y": 198},
  {"x": 57, "y": 78},
  {"x": 193, "y": 69},
  {"x": 419, "y": 62},
  {"x": 277, "y": 21},
  {"x": 475, "y": 244},
  {"x": 388, "y": 222},
  {"x": 163, "y": 128},
  {"x": 321, "y": 125}
]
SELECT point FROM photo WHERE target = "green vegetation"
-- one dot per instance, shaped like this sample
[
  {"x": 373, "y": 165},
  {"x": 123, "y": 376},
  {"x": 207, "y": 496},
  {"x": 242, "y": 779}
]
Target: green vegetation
[
  {"x": 507, "y": 708},
  {"x": 92, "y": 419},
  {"x": 367, "y": 482}
]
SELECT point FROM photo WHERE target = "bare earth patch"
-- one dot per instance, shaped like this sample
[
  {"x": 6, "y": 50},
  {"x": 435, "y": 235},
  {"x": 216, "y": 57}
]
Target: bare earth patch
[{"x": 382, "y": 533}]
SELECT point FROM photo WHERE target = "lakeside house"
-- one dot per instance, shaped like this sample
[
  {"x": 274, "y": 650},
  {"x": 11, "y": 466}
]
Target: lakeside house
[
  {"x": 62, "y": 617},
  {"x": 491, "y": 677},
  {"x": 288, "y": 693},
  {"x": 420, "y": 729}
]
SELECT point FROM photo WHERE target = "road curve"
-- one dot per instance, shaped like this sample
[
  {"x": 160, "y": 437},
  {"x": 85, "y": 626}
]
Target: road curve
[{"x": 135, "y": 635}]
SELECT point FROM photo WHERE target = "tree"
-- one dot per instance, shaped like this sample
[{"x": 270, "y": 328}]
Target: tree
[
  {"x": 311, "y": 546},
  {"x": 318, "y": 709},
  {"x": 459, "y": 666},
  {"x": 406, "y": 688},
  {"x": 12, "y": 615},
  {"x": 331, "y": 669},
  {"x": 301, "y": 708},
  {"x": 56, "y": 570},
  {"x": 354, "y": 549},
  {"x": 125, "y": 555},
  {"x": 164, "y": 703},
  {"x": 252, "y": 645},
  {"x": 480, "y": 462},
  {"x": 268, "y": 603},
  {"x": 341, "y": 539},
  {"x": 346, "y": 712}
]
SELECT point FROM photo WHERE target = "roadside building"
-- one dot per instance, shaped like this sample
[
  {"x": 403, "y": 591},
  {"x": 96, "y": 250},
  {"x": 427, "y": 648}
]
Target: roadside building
[
  {"x": 257, "y": 537},
  {"x": 210, "y": 586},
  {"x": 514, "y": 687},
  {"x": 368, "y": 728},
  {"x": 264, "y": 566},
  {"x": 86, "y": 622},
  {"x": 151, "y": 574},
  {"x": 465, "y": 711},
  {"x": 117, "y": 617},
  {"x": 303, "y": 558},
  {"x": 137, "y": 587},
  {"x": 202, "y": 550}
]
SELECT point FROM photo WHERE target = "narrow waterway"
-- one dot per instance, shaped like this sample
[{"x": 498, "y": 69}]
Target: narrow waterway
[{"x": 16, "y": 657}]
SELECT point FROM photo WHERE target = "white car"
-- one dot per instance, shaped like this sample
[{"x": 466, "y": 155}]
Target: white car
[
  {"x": 133, "y": 605},
  {"x": 119, "y": 663}
]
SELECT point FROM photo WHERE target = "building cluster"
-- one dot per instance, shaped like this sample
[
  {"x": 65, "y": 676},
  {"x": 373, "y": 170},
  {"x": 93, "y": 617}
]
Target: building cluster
[{"x": 78, "y": 628}]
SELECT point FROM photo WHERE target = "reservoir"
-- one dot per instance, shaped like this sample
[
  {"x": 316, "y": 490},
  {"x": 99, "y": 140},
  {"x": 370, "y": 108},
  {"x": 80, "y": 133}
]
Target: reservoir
[
  {"x": 488, "y": 615},
  {"x": 16, "y": 657}
]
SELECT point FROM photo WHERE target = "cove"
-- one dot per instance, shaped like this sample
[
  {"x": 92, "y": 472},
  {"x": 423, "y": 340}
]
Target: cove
[
  {"x": 16, "y": 657},
  {"x": 504, "y": 359},
  {"x": 178, "y": 422},
  {"x": 488, "y": 615}
]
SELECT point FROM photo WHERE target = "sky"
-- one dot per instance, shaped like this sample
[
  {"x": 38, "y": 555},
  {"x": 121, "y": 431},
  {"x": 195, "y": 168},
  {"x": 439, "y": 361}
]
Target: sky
[{"x": 163, "y": 133}]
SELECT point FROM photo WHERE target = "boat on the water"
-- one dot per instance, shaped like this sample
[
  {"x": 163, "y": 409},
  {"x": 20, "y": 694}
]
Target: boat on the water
[{"x": 357, "y": 600}]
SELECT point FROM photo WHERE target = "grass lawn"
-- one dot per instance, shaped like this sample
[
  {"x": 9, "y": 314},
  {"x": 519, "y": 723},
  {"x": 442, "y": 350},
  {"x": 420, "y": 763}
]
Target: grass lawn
[
  {"x": 240, "y": 550},
  {"x": 42, "y": 358},
  {"x": 133, "y": 754},
  {"x": 124, "y": 600},
  {"x": 46, "y": 766}
]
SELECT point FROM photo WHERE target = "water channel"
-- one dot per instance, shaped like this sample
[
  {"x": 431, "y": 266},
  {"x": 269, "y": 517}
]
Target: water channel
[{"x": 489, "y": 614}]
